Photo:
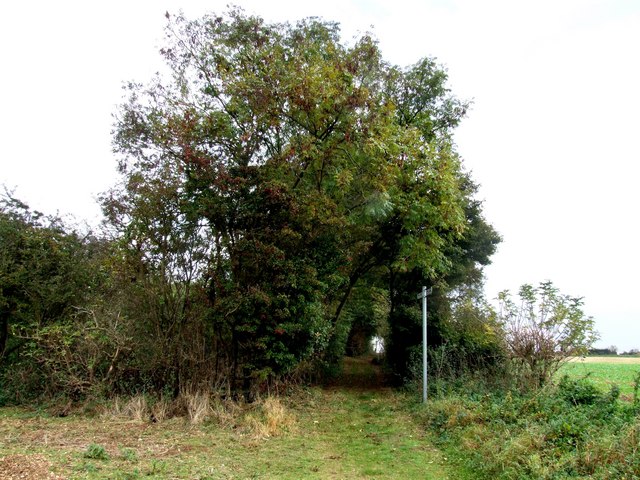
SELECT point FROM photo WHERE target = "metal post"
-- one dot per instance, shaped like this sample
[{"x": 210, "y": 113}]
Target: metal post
[
  {"x": 424, "y": 344},
  {"x": 423, "y": 296}
]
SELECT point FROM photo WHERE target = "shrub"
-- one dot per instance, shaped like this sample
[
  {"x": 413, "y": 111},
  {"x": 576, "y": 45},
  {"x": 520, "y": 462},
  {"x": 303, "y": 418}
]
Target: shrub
[
  {"x": 578, "y": 392},
  {"x": 543, "y": 331},
  {"x": 569, "y": 430},
  {"x": 96, "y": 452}
]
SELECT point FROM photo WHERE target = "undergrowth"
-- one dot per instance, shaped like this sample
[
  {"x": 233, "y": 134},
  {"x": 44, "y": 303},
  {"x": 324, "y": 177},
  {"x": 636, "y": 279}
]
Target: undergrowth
[
  {"x": 266, "y": 417},
  {"x": 567, "y": 430}
]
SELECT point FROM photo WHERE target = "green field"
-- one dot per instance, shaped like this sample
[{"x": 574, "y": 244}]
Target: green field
[{"x": 605, "y": 372}]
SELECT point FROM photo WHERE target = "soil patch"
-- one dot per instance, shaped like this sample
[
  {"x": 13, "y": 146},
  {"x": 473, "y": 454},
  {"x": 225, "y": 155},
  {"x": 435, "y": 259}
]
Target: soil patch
[{"x": 31, "y": 467}]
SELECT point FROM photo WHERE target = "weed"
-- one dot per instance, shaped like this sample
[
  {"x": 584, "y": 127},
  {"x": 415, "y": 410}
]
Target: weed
[
  {"x": 96, "y": 452},
  {"x": 569, "y": 431},
  {"x": 578, "y": 391},
  {"x": 158, "y": 467},
  {"x": 128, "y": 454}
]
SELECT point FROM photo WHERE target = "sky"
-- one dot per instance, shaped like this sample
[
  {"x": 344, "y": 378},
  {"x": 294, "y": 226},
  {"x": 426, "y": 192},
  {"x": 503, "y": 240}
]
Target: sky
[{"x": 552, "y": 137}]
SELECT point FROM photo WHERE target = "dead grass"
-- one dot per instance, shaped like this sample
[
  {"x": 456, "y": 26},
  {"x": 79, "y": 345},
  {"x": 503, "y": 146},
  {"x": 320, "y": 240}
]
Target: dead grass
[
  {"x": 198, "y": 406},
  {"x": 271, "y": 419},
  {"x": 133, "y": 408},
  {"x": 226, "y": 414},
  {"x": 161, "y": 410},
  {"x": 137, "y": 409}
]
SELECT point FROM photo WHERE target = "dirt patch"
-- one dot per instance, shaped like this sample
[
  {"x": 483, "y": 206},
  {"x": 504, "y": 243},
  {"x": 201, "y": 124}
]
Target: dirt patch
[{"x": 32, "y": 467}]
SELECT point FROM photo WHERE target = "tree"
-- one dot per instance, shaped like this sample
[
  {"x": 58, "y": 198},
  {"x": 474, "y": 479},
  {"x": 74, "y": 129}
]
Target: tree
[
  {"x": 457, "y": 291},
  {"x": 304, "y": 163},
  {"x": 41, "y": 275},
  {"x": 543, "y": 330},
  {"x": 160, "y": 254},
  {"x": 47, "y": 273}
]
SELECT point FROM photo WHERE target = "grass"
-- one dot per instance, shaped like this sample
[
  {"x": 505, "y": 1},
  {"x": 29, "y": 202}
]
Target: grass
[
  {"x": 604, "y": 372},
  {"x": 353, "y": 429},
  {"x": 344, "y": 431}
]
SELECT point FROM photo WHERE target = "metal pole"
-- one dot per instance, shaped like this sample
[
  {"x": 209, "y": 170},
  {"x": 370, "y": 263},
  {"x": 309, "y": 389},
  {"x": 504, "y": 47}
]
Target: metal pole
[
  {"x": 424, "y": 344},
  {"x": 423, "y": 296}
]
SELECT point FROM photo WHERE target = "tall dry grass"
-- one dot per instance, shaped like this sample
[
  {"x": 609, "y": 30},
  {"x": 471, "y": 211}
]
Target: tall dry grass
[
  {"x": 198, "y": 406},
  {"x": 271, "y": 418},
  {"x": 132, "y": 408}
]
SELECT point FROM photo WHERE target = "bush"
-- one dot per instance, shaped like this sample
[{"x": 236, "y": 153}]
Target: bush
[
  {"x": 569, "y": 430},
  {"x": 543, "y": 331},
  {"x": 578, "y": 392},
  {"x": 47, "y": 272}
]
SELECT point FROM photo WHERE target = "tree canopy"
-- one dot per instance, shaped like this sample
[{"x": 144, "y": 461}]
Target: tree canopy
[
  {"x": 275, "y": 168},
  {"x": 282, "y": 197}
]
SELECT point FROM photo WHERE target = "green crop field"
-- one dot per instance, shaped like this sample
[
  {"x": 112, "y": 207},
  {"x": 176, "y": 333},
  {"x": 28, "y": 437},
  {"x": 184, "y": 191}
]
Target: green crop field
[{"x": 605, "y": 372}]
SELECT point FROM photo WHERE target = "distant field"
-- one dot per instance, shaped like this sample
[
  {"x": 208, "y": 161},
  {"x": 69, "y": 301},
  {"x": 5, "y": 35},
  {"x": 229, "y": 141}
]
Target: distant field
[{"x": 605, "y": 372}]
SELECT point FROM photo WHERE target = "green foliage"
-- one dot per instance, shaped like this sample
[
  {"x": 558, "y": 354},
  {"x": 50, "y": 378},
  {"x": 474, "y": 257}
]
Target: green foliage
[
  {"x": 544, "y": 330},
  {"x": 271, "y": 173},
  {"x": 366, "y": 313},
  {"x": 47, "y": 273},
  {"x": 567, "y": 431},
  {"x": 96, "y": 452},
  {"x": 282, "y": 196},
  {"x": 465, "y": 340},
  {"x": 578, "y": 391},
  {"x": 459, "y": 318}
]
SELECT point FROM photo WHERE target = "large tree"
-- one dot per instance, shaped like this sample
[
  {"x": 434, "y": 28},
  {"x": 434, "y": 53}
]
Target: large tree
[{"x": 296, "y": 165}]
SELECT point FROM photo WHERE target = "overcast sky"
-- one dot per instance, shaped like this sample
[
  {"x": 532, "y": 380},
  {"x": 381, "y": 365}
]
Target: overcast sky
[{"x": 552, "y": 137}]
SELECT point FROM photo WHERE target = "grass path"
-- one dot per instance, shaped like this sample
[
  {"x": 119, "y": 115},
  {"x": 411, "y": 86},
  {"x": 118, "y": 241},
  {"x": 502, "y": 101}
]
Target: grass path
[
  {"x": 353, "y": 429},
  {"x": 369, "y": 431}
]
